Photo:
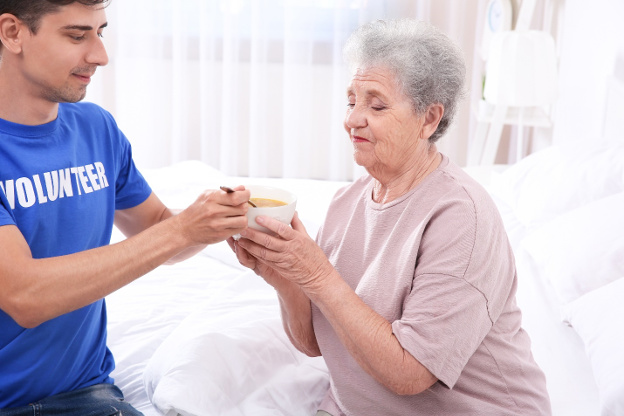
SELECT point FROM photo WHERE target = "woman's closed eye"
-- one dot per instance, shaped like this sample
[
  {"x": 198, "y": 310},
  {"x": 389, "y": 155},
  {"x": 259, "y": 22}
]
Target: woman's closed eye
[
  {"x": 376, "y": 107},
  {"x": 377, "y": 104},
  {"x": 351, "y": 100}
]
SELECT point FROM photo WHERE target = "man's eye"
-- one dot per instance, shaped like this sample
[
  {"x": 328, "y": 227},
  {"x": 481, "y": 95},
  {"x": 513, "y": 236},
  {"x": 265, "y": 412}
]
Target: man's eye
[
  {"x": 78, "y": 38},
  {"x": 379, "y": 108},
  {"x": 350, "y": 105}
]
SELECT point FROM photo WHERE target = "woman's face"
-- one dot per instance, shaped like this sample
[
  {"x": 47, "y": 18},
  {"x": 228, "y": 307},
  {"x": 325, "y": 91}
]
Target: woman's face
[{"x": 382, "y": 124}]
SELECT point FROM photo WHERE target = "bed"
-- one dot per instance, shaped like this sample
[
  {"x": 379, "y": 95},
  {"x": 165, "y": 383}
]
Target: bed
[{"x": 204, "y": 337}]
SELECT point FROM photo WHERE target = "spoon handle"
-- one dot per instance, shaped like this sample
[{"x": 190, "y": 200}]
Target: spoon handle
[{"x": 230, "y": 190}]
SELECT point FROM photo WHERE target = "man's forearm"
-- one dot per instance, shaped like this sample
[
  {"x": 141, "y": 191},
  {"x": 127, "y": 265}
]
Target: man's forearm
[{"x": 50, "y": 287}]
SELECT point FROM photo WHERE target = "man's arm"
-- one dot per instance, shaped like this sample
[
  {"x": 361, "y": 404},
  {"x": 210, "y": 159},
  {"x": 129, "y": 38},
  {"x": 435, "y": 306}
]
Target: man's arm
[
  {"x": 36, "y": 290},
  {"x": 134, "y": 220}
]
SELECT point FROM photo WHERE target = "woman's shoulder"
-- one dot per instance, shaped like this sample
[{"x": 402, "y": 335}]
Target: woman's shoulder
[
  {"x": 459, "y": 184},
  {"x": 453, "y": 196}
]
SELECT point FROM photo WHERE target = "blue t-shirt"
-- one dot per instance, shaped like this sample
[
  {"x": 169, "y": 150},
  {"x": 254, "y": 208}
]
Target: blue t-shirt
[{"x": 60, "y": 184}]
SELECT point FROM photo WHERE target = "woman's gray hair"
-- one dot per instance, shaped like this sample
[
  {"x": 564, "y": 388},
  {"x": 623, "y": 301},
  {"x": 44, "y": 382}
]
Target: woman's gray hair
[{"x": 428, "y": 66}]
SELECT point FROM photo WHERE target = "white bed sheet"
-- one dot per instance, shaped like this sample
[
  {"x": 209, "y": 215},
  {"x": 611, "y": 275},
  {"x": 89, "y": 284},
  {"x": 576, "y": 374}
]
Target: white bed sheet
[
  {"x": 154, "y": 316},
  {"x": 212, "y": 291}
]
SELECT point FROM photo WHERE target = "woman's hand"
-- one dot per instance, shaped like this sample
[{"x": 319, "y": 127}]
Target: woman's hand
[
  {"x": 290, "y": 253},
  {"x": 263, "y": 270},
  {"x": 294, "y": 303}
]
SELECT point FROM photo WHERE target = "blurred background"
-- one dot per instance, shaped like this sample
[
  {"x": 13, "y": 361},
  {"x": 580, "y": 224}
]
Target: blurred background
[{"x": 257, "y": 87}]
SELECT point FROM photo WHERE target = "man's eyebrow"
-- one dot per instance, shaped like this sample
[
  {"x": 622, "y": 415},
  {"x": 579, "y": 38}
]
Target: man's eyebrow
[{"x": 85, "y": 28}]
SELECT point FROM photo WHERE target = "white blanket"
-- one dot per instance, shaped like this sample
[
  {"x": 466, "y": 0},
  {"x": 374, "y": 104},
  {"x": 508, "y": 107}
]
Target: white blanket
[{"x": 204, "y": 337}]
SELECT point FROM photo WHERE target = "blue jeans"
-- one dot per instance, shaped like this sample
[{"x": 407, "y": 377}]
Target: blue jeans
[{"x": 99, "y": 400}]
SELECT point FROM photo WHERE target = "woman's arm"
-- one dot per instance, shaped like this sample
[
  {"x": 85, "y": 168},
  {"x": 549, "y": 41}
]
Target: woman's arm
[
  {"x": 366, "y": 334},
  {"x": 294, "y": 303},
  {"x": 368, "y": 337},
  {"x": 297, "y": 320}
]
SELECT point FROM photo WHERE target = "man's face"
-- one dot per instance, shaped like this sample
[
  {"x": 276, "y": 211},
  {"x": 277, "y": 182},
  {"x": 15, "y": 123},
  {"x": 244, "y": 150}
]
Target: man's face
[{"x": 58, "y": 61}]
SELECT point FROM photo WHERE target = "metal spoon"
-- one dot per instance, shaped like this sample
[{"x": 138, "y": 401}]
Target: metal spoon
[{"x": 230, "y": 190}]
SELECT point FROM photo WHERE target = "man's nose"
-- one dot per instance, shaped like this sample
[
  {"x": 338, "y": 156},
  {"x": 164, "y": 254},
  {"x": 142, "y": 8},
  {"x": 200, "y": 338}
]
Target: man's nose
[{"x": 97, "y": 55}]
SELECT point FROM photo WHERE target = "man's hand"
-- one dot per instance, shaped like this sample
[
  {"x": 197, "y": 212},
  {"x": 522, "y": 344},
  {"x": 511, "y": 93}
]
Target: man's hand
[{"x": 214, "y": 216}]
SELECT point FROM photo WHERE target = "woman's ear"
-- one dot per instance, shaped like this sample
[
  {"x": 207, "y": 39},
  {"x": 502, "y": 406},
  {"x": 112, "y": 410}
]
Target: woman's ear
[
  {"x": 11, "y": 31},
  {"x": 433, "y": 115}
]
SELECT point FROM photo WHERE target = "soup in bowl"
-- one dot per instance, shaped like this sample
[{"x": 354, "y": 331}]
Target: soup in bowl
[{"x": 273, "y": 202}]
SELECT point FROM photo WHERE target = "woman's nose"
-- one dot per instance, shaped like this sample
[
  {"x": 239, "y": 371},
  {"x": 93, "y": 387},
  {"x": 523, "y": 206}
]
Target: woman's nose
[{"x": 355, "y": 117}]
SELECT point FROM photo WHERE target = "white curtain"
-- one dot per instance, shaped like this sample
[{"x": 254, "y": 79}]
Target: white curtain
[{"x": 251, "y": 87}]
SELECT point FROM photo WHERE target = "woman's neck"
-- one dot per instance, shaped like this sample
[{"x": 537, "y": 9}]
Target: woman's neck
[{"x": 388, "y": 189}]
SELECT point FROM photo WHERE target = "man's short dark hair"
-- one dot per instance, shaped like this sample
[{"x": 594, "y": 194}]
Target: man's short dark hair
[{"x": 31, "y": 11}]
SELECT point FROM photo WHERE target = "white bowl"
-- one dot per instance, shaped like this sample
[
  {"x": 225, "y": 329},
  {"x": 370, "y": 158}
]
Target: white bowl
[{"x": 283, "y": 213}]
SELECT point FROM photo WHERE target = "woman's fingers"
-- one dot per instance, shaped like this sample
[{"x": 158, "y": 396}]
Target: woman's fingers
[
  {"x": 242, "y": 255},
  {"x": 230, "y": 241},
  {"x": 290, "y": 252},
  {"x": 282, "y": 230},
  {"x": 297, "y": 224}
]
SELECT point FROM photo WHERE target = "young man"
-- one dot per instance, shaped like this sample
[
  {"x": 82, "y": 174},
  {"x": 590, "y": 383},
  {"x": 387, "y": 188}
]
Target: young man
[{"x": 66, "y": 176}]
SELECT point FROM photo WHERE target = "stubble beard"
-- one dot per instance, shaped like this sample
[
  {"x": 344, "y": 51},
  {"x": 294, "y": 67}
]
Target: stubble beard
[
  {"x": 66, "y": 94},
  {"x": 69, "y": 93}
]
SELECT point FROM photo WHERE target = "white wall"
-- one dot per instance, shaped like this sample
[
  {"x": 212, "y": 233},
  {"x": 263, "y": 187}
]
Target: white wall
[{"x": 592, "y": 43}]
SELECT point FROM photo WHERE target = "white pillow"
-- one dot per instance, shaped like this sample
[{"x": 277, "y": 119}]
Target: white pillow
[
  {"x": 598, "y": 318},
  {"x": 232, "y": 357},
  {"x": 582, "y": 249},
  {"x": 558, "y": 179}
]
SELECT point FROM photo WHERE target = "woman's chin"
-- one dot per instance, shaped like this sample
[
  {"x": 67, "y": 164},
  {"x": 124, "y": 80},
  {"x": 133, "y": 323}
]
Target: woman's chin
[
  {"x": 361, "y": 159},
  {"x": 360, "y": 163}
]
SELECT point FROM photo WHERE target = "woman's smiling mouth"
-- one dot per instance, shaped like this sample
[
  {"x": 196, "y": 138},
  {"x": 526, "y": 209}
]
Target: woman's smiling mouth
[{"x": 358, "y": 139}]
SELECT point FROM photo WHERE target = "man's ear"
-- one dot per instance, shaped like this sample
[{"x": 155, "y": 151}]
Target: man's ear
[
  {"x": 433, "y": 115},
  {"x": 12, "y": 31}
]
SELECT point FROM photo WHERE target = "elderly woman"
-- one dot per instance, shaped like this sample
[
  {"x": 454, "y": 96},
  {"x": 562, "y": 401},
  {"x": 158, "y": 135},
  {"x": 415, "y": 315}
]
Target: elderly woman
[{"x": 409, "y": 290}]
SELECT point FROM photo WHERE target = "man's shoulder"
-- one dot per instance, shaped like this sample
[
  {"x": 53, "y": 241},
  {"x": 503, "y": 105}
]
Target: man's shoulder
[
  {"x": 84, "y": 112},
  {"x": 82, "y": 107}
]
